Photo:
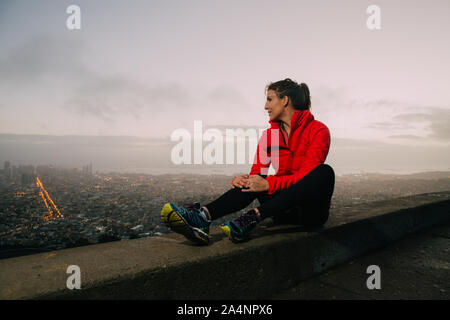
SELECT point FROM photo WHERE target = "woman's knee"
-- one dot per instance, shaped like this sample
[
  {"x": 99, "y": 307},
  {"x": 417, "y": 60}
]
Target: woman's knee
[
  {"x": 326, "y": 169},
  {"x": 323, "y": 173},
  {"x": 328, "y": 177}
]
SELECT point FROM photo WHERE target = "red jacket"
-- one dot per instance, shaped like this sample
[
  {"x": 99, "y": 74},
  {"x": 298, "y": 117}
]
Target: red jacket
[{"x": 306, "y": 148}]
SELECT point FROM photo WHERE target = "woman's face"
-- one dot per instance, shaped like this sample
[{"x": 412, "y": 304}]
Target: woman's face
[{"x": 274, "y": 105}]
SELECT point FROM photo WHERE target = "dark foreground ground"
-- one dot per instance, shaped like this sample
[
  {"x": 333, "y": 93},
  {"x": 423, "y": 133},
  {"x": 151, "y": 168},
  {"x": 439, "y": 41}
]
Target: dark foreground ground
[{"x": 416, "y": 267}]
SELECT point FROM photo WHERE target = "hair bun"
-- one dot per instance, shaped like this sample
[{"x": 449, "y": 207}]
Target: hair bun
[
  {"x": 307, "y": 95},
  {"x": 305, "y": 88}
]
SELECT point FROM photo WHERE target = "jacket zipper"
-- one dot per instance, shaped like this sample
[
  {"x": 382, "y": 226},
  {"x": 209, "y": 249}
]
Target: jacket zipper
[
  {"x": 292, "y": 152},
  {"x": 284, "y": 139}
]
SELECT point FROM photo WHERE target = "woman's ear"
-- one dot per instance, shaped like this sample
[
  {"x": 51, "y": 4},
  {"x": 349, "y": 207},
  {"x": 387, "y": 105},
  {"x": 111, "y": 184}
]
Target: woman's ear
[{"x": 285, "y": 101}]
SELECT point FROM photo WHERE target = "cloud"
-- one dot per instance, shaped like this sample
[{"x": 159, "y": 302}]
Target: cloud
[
  {"x": 87, "y": 140},
  {"x": 345, "y": 143},
  {"x": 226, "y": 95},
  {"x": 51, "y": 61},
  {"x": 109, "y": 98},
  {"x": 44, "y": 58},
  {"x": 437, "y": 121},
  {"x": 341, "y": 99},
  {"x": 383, "y": 125},
  {"x": 407, "y": 136},
  {"x": 417, "y": 117},
  {"x": 439, "y": 124},
  {"x": 56, "y": 74},
  {"x": 342, "y": 110}
]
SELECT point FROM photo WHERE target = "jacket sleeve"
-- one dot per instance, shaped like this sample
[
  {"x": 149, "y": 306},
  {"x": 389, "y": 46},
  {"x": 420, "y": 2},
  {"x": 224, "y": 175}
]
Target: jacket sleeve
[
  {"x": 261, "y": 161},
  {"x": 315, "y": 155}
]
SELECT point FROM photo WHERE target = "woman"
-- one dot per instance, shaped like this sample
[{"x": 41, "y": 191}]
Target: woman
[{"x": 300, "y": 192}]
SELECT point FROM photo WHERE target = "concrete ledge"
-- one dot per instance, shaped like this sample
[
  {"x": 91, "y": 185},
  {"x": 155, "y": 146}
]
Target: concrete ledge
[{"x": 169, "y": 267}]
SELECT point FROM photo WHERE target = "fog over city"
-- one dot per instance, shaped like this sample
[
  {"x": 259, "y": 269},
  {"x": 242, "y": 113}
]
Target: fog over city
[{"x": 153, "y": 156}]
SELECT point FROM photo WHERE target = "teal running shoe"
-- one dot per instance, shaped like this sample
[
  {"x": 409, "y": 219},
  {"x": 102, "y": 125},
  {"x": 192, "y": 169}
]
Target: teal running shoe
[
  {"x": 239, "y": 229},
  {"x": 191, "y": 221}
]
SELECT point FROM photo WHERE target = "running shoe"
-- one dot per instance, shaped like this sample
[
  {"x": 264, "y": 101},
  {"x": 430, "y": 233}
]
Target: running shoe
[
  {"x": 191, "y": 221},
  {"x": 238, "y": 230}
]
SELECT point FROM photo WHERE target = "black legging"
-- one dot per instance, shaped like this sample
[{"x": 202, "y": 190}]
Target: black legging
[{"x": 306, "y": 202}]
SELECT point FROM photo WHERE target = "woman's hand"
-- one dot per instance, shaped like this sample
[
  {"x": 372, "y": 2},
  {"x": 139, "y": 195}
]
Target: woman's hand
[
  {"x": 256, "y": 183},
  {"x": 240, "y": 181}
]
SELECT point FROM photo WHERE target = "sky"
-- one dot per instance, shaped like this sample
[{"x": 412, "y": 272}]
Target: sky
[{"x": 143, "y": 69}]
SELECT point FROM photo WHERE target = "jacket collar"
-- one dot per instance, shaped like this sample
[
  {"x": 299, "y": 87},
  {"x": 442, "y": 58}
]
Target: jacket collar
[{"x": 299, "y": 120}]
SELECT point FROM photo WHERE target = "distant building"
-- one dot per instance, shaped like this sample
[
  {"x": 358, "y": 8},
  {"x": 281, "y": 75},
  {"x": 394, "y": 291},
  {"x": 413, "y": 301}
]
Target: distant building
[
  {"x": 26, "y": 174},
  {"x": 87, "y": 170},
  {"x": 43, "y": 170},
  {"x": 7, "y": 170},
  {"x": 26, "y": 179}
]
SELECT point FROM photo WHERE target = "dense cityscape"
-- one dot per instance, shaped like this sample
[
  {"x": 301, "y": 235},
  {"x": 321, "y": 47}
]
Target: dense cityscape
[{"x": 46, "y": 208}]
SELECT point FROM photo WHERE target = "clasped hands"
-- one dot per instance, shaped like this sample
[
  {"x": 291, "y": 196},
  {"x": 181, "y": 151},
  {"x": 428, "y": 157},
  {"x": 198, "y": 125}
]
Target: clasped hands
[{"x": 253, "y": 183}]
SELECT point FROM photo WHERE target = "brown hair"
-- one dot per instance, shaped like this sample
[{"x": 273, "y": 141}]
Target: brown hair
[{"x": 298, "y": 94}]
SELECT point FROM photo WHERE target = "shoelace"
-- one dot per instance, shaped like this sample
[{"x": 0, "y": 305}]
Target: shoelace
[
  {"x": 189, "y": 210},
  {"x": 245, "y": 221},
  {"x": 192, "y": 206}
]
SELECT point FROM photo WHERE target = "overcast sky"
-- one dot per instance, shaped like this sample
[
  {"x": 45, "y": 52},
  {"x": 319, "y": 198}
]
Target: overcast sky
[{"x": 146, "y": 68}]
